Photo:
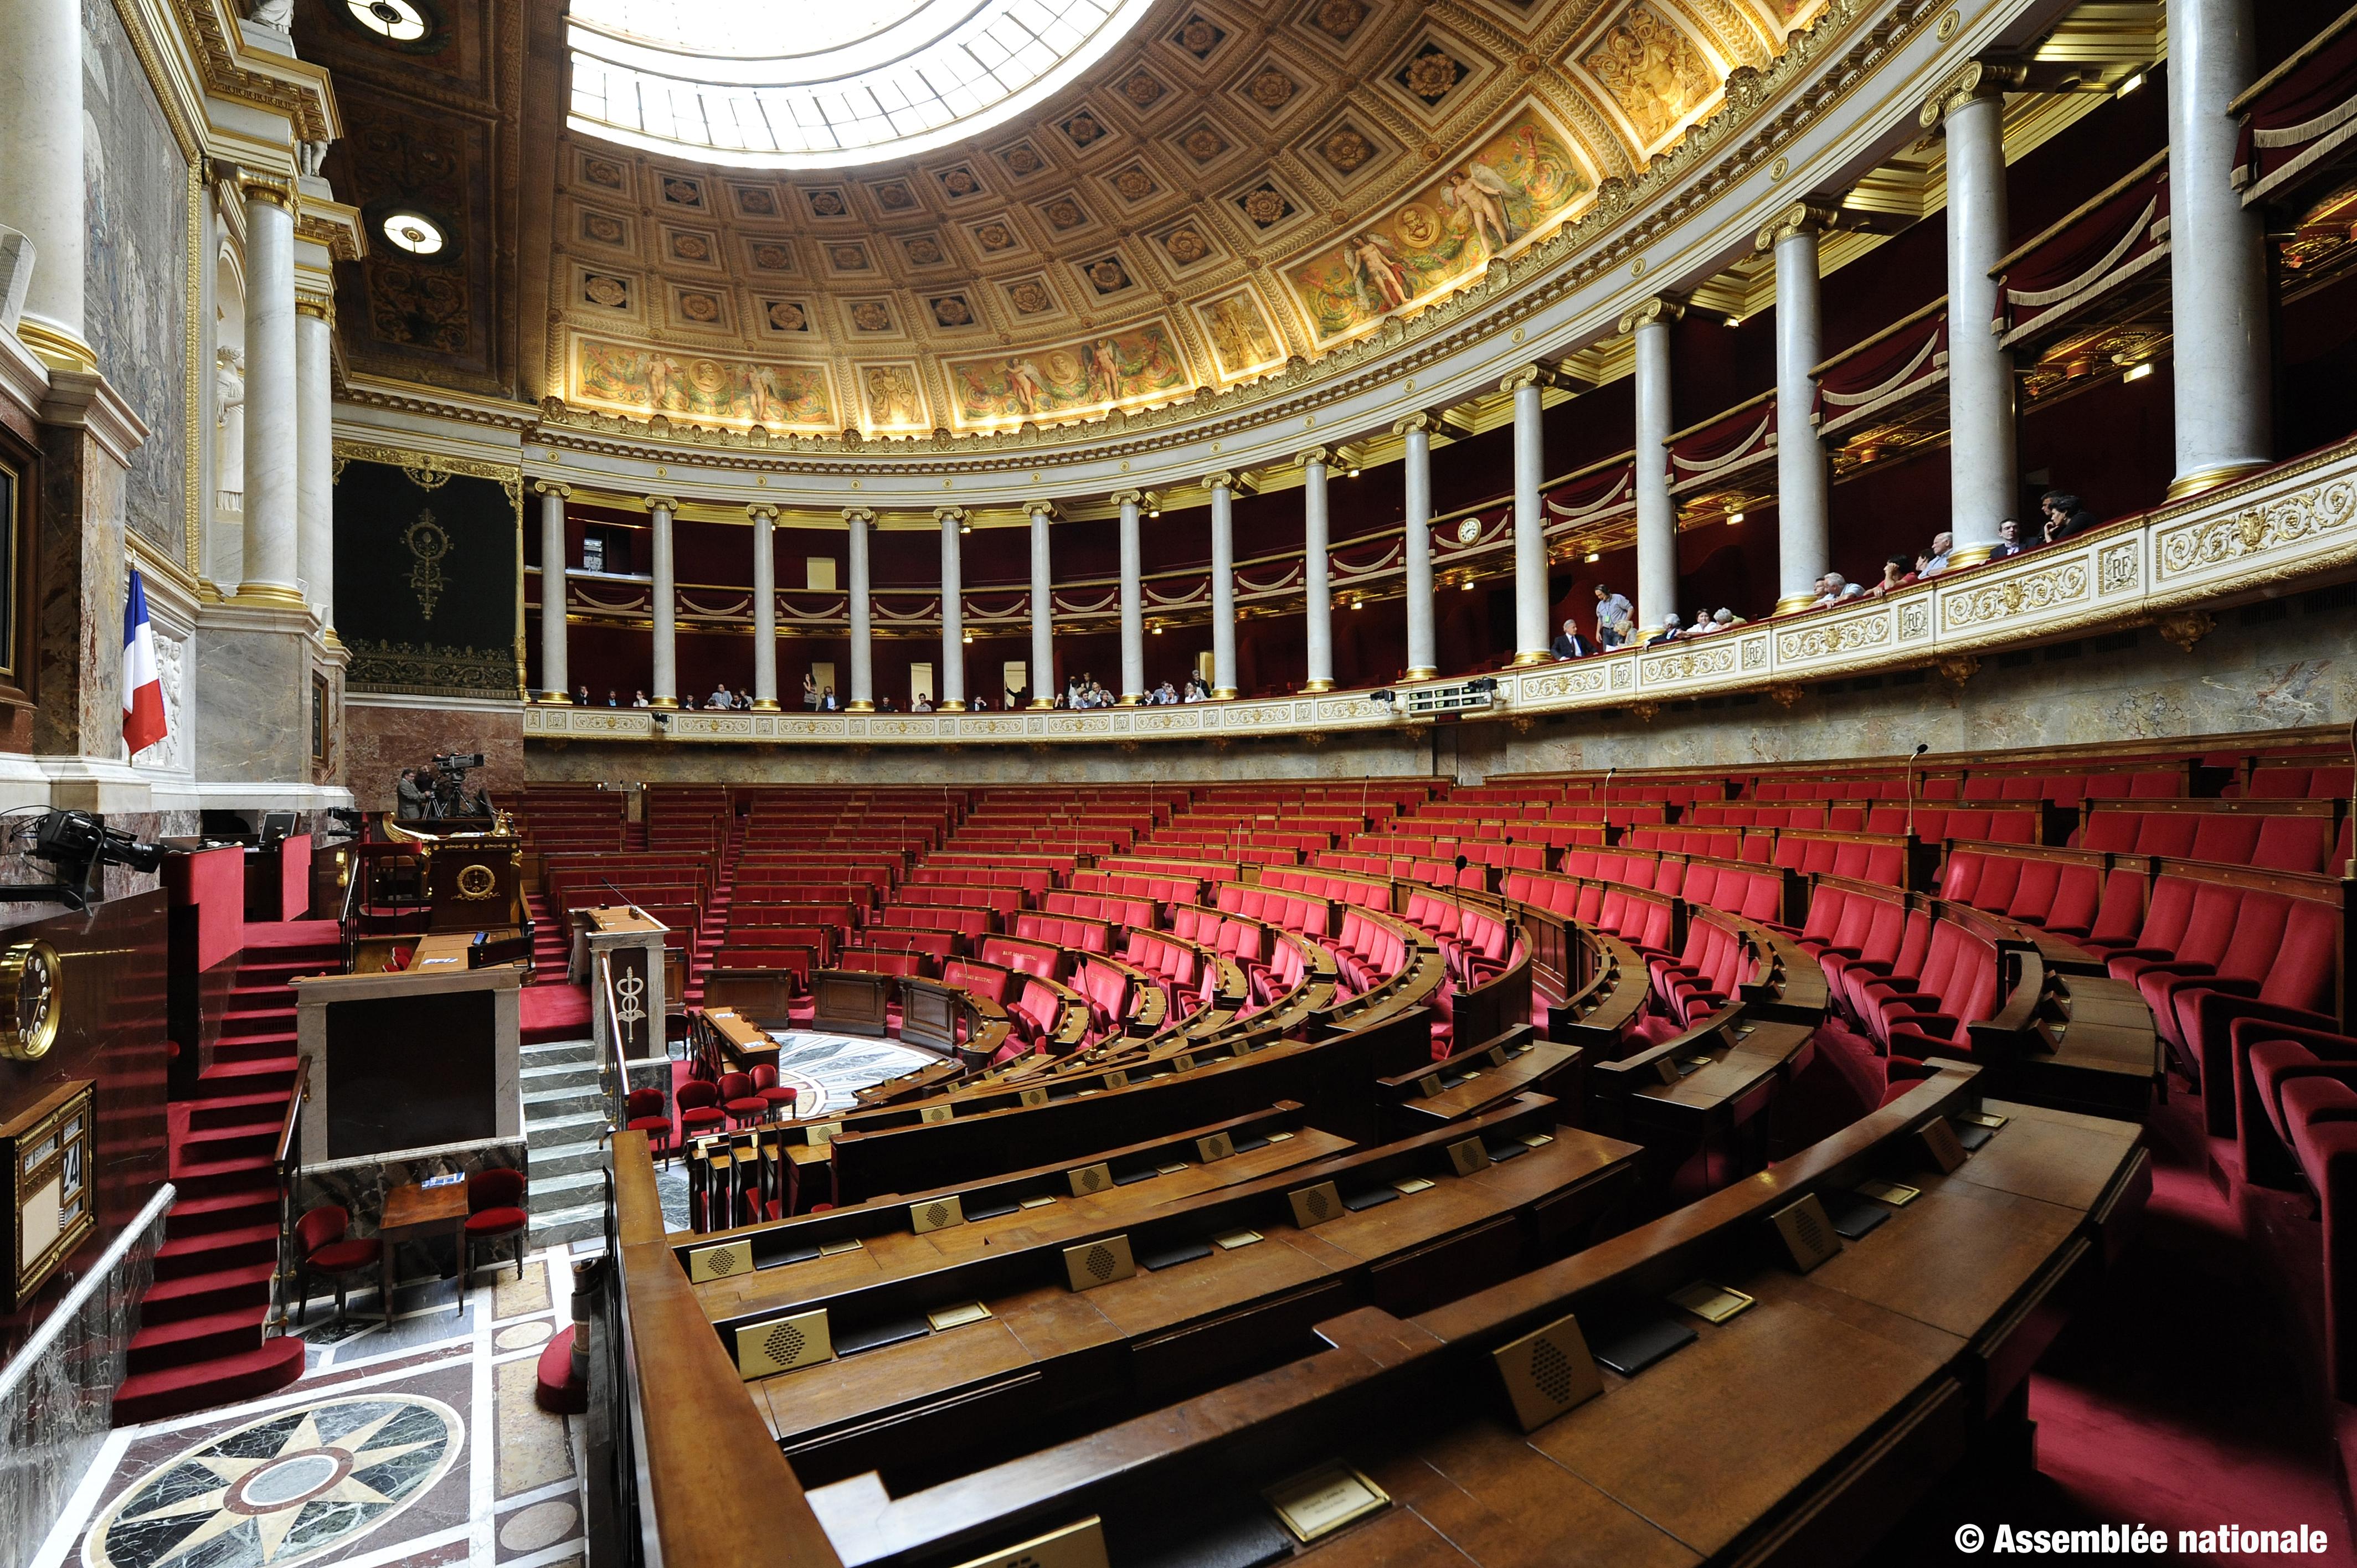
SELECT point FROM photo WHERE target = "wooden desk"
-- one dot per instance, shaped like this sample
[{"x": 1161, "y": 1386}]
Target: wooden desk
[
  {"x": 745, "y": 1042},
  {"x": 445, "y": 950},
  {"x": 414, "y": 1213}
]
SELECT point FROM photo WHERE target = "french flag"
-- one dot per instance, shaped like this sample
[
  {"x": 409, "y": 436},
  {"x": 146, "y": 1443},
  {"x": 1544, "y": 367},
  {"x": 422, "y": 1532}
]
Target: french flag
[{"x": 143, "y": 684}]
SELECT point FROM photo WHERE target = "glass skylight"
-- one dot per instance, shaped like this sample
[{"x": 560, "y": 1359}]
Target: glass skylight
[{"x": 823, "y": 83}]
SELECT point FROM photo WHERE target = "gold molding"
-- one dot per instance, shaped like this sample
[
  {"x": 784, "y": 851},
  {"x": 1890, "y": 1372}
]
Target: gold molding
[
  {"x": 276, "y": 189},
  {"x": 2200, "y": 479},
  {"x": 1801, "y": 217},
  {"x": 1662, "y": 307},
  {"x": 55, "y": 347}
]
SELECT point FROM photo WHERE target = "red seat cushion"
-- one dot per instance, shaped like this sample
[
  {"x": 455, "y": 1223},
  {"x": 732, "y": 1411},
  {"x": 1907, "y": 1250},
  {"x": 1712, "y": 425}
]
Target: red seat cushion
[
  {"x": 496, "y": 1221},
  {"x": 753, "y": 1106},
  {"x": 338, "y": 1256}
]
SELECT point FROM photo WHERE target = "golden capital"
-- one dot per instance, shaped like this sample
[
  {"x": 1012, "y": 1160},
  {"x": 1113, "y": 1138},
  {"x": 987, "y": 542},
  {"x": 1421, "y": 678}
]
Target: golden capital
[
  {"x": 1801, "y": 217},
  {"x": 1128, "y": 498},
  {"x": 1660, "y": 308},
  {"x": 1419, "y": 421},
  {"x": 317, "y": 306},
  {"x": 553, "y": 487},
  {"x": 858, "y": 514},
  {"x": 661, "y": 503},
  {"x": 277, "y": 190},
  {"x": 1320, "y": 455},
  {"x": 1974, "y": 78},
  {"x": 762, "y": 511},
  {"x": 1048, "y": 509},
  {"x": 1223, "y": 481},
  {"x": 949, "y": 514}
]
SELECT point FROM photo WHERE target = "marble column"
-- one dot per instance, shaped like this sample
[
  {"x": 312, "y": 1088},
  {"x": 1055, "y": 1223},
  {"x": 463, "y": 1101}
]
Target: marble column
[
  {"x": 1531, "y": 638},
  {"x": 1657, "y": 513},
  {"x": 1223, "y": 585},
  {"x": 1043, "y": 609},
  {"x": 42, "y": 180},
  {"x": 1984, "y": 482},
  {"x": 950, "y": 693},
  {"x": 1417, "y": 469},
  {"x": 856, "y": 520},
  {"x": 2217, "y": 262},
  {"x": 666, "y": 605},
  {"x": 1803, "y": 545},
  {"x": 272, "y": 405},
  {"x": 1316, "y": 581},
  {"x": 1133, "y": 601},
  {"x": 765, "y": 605},
  {"x": 556, "y": 680},
  {"x": 315, "y": 453}
]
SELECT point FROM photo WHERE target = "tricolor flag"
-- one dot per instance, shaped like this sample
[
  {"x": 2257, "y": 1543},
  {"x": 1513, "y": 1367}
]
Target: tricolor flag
[{"x": 143, "y": 684}]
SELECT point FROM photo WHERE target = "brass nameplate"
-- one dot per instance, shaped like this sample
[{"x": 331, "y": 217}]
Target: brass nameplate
[
  {"x": 1408, "y": 1185},
  {"x": 931, "y": 1114},
  {"x": 1078, "y": 1545},
  {"x": 1712, "y": 1304},
  {"x": 1094, "y": 1264},
  {"x": 957, "y": 1317},
  {"x": 1235, "y": 1238},
  {"x": 837, "y": 1247},
  {"x": 782, "y": 1344},
  {"x": 936, "y": 1214},
  {"x": 1468, "y": 1155},
  {"x": 1313, "y": 1206},
  {"x": 1538, "y": 1140},
  {"x": 1183, "y": 1062},
  {"x": 1116, "y": 1078},
  {"x": 1042, "y": 1201},
  {"x": 1090, "y": 1178},
  {"x": 1807, "y": 1231},
  {"x": 1217, "y": 1146},
  {"x": 1547, "y": 1372},
  {"x": 1898, "y": 1195},
  {"x": 1323, "y": 1500},
  {"x": 1033, "y": 1097},
  {"x": 722, "y": 1262},
  {"x": 1940, "y": 1144},
  {"x": 1278, "y": 1137},
  {"x": 820, "y": 1134},
  {"x": 1988, "y": 1118}
]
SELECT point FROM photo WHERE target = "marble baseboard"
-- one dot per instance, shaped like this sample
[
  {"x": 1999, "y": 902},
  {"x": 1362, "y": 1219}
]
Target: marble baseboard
[{"x": 56, "y": 1394}]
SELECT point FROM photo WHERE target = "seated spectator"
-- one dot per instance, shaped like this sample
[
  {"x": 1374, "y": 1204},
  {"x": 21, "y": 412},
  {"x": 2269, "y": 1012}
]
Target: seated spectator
[
  {"x": 1896, "y": 574},
  {"x": 2009, "y": 541},
  {"x": 1853, "y": 590},
  {"x": 581, "y": 699},
  {"x": 827, "y": 704},
  {"x": 1670, "y": 631},
  {"x": 1943, "y": 546},
  {"x": 1613, "y": 613},
  {"x": 810, "y": 690},
  {"x": 720, "y": 698},
  {"x": 884, "y": 706},
  {"x": 1724, "y": 619},
  {"x": 923, "y": 704},
  {"x": 1165, "y": 693},
  {"x": 1829, "y": 591},
  {"x": 1194, "y": 691},
  {"x": 2065, "y": 515},
  {"x": 639, "y": 701},
  {"x": 1569, "y": 644},
  {"x": 611, "y": 700}
]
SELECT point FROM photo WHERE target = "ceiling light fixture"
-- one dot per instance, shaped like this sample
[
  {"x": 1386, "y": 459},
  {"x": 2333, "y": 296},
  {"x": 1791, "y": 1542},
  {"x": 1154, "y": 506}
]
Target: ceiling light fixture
[
  {"x": 395, "y": 19},
  {"x": 414, "y": 232},
  {"x": 1734, "y": 517},
  {"x": 1735, "y": 321},
  {"x": 1591, "y": 557},
  {"x": 1466, "y": 585},
  {"x": 2128, "y": 85},
  {"x": 2139, "y": 372}
]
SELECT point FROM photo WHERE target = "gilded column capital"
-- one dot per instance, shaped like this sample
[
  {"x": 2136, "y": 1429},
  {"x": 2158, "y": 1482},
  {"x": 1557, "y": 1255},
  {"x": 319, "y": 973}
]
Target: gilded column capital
[
  {"x": 762, "y": 511},
  {"x": 1974, "y": 78},
  {"x": 858, "y": 514},
  {"x": 949, "y": 514},
  {"x": 1660, "y": 308},
  {"x": 1048, "y": 509},
  {"x": 254, "y": 184},
  {"x": 1423, "y": 421},
  {"x": 1534, "y": 374},
  {"x": 552, "y": 487},
  {"x": 1223, "y": 481},
  {"x": 1128, "y": 498},
  {"x": 664, "y": 503},
  {"x": 318, "y": 305},
  {"x": 1801, "y": 217},
  {"x": 1322, "y": 455}
]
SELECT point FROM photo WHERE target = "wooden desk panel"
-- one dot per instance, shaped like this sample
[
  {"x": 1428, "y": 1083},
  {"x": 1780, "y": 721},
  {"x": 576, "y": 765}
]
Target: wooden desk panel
[
  {"x": 1953, "y": 1257},
  {"x": 2059, "y": 1156},
  {"x": 1482, "y": 1487}
]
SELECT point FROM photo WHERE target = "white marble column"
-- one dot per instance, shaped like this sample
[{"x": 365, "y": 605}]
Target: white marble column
[
  {"x": 765, "y": 605},
  {"x": 1983, "y": 476},
  {"x": 1317, "y": 580},
  {"x": 1531, "y": 597},
  {"x": 950, "y": 693},
  {"x": 271, "y": 437},
  {"x": 1133, "y": 601},
  {"x": 666, "y": 605},
  {"x": 315, "y": 453},
  {"x": 1417, "y": 469},
  {"x": 555, "y": 678},
  {"x": 42, "y": 179},
  {"x": 1043, "y": 609},
  {"x": 1803, "y": 543},
  {"x": 1223, "y": 487},
  {"x": 2217, "y": 263},
  {"x": 1657, "y": 513},
  {"x": 856, "y": 520}
]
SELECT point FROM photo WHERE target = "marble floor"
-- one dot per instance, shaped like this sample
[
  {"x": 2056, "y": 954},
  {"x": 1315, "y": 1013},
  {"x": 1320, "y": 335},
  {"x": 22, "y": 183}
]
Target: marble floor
[{"x": 412, "y": 1442}]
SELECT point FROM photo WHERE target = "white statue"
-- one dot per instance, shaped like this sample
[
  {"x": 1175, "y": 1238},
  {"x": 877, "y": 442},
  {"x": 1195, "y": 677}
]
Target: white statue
[
  {"x": 278, "y": 15},
  {"x": 310, "y": 156}
]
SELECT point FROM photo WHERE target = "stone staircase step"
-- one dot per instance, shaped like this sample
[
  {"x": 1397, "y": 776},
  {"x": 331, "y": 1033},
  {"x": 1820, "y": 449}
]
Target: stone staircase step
[
  {"x": 584, "y": 1223},
  {"x": 557, "y": 1075},
  {"x": 560, "y": 1103},
  {"x": 556, "y": 1131},
  {"x": 564, "y": 1159}
]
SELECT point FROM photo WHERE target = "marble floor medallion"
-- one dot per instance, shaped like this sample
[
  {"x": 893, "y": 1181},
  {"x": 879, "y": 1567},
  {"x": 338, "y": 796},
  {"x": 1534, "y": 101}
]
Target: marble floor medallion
[{"x": 281, "y": 1490}]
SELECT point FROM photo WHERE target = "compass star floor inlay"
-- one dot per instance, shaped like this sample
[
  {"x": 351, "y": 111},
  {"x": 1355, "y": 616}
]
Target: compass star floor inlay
[{"x": 282, "y": 1490}]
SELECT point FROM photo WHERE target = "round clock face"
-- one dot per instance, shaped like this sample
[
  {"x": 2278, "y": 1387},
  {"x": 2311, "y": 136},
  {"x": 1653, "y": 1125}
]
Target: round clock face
[
  {"x": 28, "y": 991},
  {"x": 1468, "y": 531}
]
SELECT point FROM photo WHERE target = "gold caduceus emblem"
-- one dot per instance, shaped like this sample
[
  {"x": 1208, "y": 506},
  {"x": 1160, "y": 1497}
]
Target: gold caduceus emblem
[
  {"x": 428, "y": 543},
  {"x": 630, "y": 1013}
]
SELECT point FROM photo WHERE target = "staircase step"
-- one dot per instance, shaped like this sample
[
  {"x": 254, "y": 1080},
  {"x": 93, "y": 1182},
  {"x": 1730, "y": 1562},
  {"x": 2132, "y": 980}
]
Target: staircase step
[
  {"x": 216, "y": 1144},
  {"x": 218, "y": 1290},
  {"x": 154, "y": 1396},
  {"x": 236, "y": 1111},
  {"x": 210, "y": 1249},
  {"x": 208, "y": 1336},
  {"x": 561, "y": 1103},
  {"x": 232, "y": 1209},
  {"x": 232, "y": 1050},
  {"x": 564, "y": 1159},
  {"x": 551, "y": 1193},
  {"x": 559, "y": 1131},
  {"x": 584, "y": 1223},
  {"x": 546, "y": 1053},
  {"x": 242, "y": 1078},
  {"x": 558, "y": 1075}
]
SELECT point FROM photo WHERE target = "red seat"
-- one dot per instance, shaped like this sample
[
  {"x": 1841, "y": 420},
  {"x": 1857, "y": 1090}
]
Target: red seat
[
  {"x": 771, "y": 1092},
  {"x": 495, "y": 1213},
  {"x": 699, "y": 1108},
  {"x": 738, "y": 1099},
  {"x": 645, "y": 1113},
  {"x": 322, "y": 1238}
]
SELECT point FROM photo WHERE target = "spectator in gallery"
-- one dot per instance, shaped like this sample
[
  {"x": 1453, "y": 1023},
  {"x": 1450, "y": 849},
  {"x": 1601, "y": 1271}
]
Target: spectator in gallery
[
  {"x": 1196, "y": 691},
  {"x": 923, "y": 704},
  {"x": 1166, "y": 693},
  {"x": 2065, "y": 515},
  {"x": 2009, "y": 541},
  {"x": 884, "y": 706},
  {"x": 581, "y": 698},
  {"x": 1897, "y": 571},
  {"x": 1569, "y": 643},
  {"x": 1943, "y": 546},
  {"x": 827, "y": 701},
  {"x": 1829, "y": 591},
  {"x": 810, "y": 690},
  {"x": 720, "y": 697},
  {"x": 1612, "y": 616},
  {"x": 1672, "y": 630}
]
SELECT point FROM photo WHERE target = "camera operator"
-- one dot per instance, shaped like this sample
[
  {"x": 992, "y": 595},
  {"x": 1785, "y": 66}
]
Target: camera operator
[{"x": 414, "y": 794}]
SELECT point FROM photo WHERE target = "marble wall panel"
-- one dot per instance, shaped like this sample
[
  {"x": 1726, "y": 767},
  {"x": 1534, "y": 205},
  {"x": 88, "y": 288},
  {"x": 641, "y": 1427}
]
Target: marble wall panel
[
  {"x": 257, "y": 720},
  {"x": 359, "y": 1185},
  {"x": 380, "y": 741},
  {"x": 78, "y": 613}
]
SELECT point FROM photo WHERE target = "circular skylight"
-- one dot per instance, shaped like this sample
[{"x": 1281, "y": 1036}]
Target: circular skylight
[
  {"x": 823, "y": 83},
  {"x": 414, "y": 232}
]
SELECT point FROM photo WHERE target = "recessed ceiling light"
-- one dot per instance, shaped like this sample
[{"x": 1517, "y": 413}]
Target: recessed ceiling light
[
  {"x": 2128, "y": 85},
  {"x": 1592, "y": 558},
  {"x": 2139, "y": 372},
  {"x": 1735, "y": 321},
  {"x": 1466, "y": 586},
  {"x": 414, "y": 232},
  {"x": 395, "y": 19},
  {"x": 1354, "y": 473}
]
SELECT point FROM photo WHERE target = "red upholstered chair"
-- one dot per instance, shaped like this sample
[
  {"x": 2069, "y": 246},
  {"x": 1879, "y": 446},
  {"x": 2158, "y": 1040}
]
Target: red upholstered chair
[
  {"x": 699, "y": 1109},
  {"x": 646, "y": 1115},
  {"x": 766, "y": 1085},
  {"x": 2320, "y": 1114},
  {"x": 322, "y": 1237},
  {"x": 738, "y": 1101},
  {"x": 495, "y": 1213},
  {"x": 2266, "y": 1054}
]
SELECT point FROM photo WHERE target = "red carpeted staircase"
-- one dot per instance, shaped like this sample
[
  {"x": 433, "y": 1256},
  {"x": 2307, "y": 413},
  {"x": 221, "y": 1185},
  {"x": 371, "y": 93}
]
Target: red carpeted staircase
[{"x": 201, "y": 1336}]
